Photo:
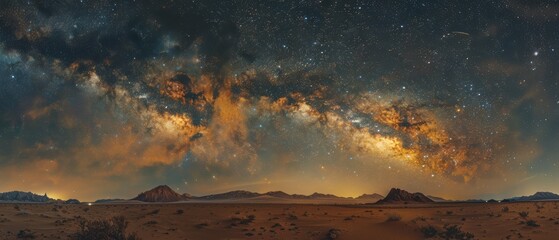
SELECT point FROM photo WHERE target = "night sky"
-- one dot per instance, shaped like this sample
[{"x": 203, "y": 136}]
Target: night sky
[{"x": 105, "y": 99}]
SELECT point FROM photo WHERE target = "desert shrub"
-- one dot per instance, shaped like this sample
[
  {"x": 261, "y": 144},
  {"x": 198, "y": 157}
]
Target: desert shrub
[
  {"x": 455, "y": 232},
  {"x": 247, "y": 220},
  {"x": 333, "y": 234},
  {"x": 25, "y": 234},
  {"x": 154, "y": 212},
  {"x": 394, "y": 218},
  {"x": 523, "y": 214},
  {"x": 152, "y": 222},
  {"x": 201, "y": 225},
  {"x": 60, "y": 222},
  {"x": 505, "y": 209},
  {"x": 429, "y": 231},
  {"x": 532, "y": 223},
  {"x": 113, "y": 229}
]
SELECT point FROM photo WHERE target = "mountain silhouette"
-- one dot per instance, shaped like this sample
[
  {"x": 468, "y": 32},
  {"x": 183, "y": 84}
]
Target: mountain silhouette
[
  {"x": 397, "y": 195},
  {"x": 18, "y": 196},
  {"x": 164, "y": 193},
  {"x": 239, "y": 194},
  {"x": 535, "y": 197},
  {"x": 161, "y": 193},
  {"x": 370, "y": 196}
]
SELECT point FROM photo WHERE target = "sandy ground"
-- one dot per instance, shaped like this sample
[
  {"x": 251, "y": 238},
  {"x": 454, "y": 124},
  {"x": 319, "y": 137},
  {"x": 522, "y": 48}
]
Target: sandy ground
[{"x": 287, "y": 221}]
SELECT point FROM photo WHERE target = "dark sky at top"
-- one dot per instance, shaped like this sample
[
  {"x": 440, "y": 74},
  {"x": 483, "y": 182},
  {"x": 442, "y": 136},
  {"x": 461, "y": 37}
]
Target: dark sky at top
[{"x": 108, "y": 98}]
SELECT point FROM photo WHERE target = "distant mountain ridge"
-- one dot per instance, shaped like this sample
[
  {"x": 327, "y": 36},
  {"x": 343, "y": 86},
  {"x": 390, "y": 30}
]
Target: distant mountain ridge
[
  {"x": 18, "y": 196},
  {"x": 535, "y": 197},
  {"x": 164, "y": 193},
  {"x": 438, "y": 199},
  {"x": 397, "y": 195},
  {"x": 280, "y": 194},
  {"x": 109, "y": 200},
  {"x": 370, "y": 196},
  {"x": 241, "y": 194}
]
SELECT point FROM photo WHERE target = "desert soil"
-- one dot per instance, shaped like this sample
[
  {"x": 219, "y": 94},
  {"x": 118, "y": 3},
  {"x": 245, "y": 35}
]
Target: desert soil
[{"x": 287, "y": 221}]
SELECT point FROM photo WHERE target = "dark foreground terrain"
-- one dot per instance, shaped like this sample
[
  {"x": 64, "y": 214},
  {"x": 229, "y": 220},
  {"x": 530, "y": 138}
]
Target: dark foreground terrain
[{"x": 528, "y": 220}]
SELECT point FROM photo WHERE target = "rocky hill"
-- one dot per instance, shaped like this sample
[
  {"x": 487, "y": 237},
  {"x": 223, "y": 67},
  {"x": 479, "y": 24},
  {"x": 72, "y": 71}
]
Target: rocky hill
[
  {"x": 161, "y": 193},
  {"x": 397, "y": 195},
  {"x": 18, "y": 196}
]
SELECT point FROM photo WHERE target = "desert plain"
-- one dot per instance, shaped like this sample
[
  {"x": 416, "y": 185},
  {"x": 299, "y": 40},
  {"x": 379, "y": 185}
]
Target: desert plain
[{"x": 186, "y": 220}]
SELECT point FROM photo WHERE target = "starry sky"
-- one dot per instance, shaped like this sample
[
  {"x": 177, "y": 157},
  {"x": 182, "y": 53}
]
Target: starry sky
[{"x": 105, "y": 99}]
